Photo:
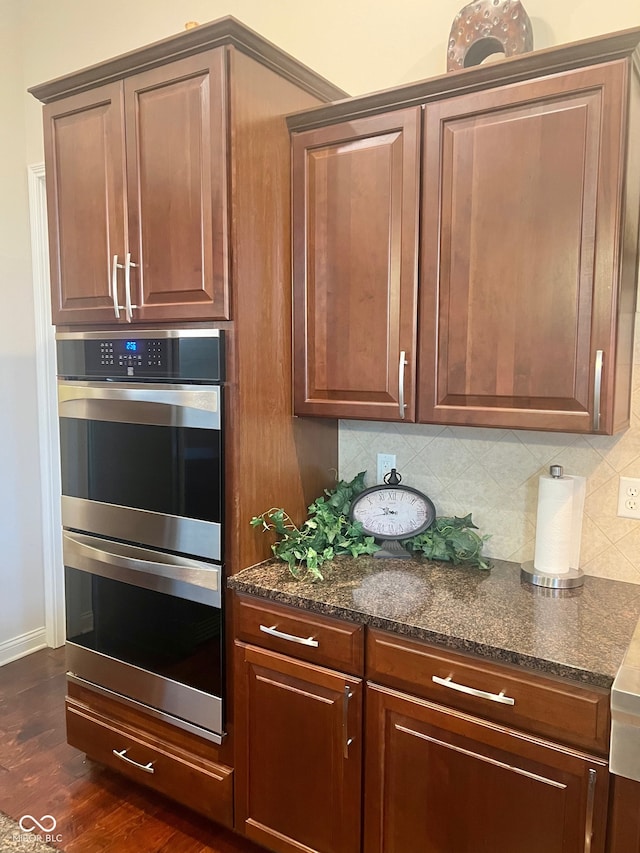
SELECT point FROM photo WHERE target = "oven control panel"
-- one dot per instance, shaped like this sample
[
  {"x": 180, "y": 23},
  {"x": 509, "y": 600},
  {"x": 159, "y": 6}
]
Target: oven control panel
[
  {"x": 149, "y": 355},
  {"x": 163, "y": 356}
]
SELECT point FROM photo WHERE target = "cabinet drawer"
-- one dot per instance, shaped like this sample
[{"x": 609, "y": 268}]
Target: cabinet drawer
[
  {"x": 572, "y": 714},
  {"x": 192, "y": 780},
  {"x": 319, "y": 639}
]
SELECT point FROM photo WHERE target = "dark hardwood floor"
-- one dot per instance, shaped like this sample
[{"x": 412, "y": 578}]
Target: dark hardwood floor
[{"x": 96, "y": 810}]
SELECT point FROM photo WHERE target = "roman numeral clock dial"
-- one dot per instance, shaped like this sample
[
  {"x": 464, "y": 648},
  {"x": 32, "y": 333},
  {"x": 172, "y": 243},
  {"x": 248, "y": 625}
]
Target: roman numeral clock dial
[{"x": 391, "y": 512}]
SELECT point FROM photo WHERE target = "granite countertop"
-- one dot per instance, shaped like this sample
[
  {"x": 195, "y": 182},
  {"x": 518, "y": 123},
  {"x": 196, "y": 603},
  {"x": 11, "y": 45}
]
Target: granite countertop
[{"x": 580, "y": 634}]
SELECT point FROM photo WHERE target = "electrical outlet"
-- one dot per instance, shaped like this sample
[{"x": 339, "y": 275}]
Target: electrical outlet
[
  {"x": 386, "y": 461},
  {"x": 629, "y": 497}
]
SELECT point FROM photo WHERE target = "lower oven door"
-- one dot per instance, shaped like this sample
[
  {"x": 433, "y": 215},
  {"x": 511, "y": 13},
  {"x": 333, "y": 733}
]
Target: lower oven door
[{"x": 147, "y": 627}]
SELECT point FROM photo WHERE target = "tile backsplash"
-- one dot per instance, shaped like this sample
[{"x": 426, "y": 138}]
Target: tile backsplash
[{"x": 493, "y": 474}]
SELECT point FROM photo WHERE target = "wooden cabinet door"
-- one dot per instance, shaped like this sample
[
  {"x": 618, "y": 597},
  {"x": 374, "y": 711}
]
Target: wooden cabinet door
[
  {"x": 84, "y": 152},
  {"x": 298, "y": 754},
  {"x": 177, "y": 190},
  {"x": 521, "y": 220},
  {"x": 355, "y": 211},
  {"x": 440, "y": 781}
]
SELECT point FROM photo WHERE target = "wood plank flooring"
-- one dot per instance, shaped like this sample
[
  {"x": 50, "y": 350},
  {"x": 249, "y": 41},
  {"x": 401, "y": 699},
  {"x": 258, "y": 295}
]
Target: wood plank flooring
[{"x": 97, "y": 810}]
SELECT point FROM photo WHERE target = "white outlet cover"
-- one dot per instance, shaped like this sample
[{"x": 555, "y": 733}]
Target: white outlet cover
[
  {"x": 385, "y": 462},
  {"x": 628, "y": 497}
]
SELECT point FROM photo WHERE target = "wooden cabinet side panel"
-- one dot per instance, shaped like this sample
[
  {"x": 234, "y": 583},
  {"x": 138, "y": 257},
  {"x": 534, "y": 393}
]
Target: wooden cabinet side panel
[
  {"x": 443, "y": 781},
  {"x": 355, "y": 199},
  {"x": 628, "y": 260},
  {"x": 297, "y": 781},
  {"x": 177, "y": 189},
  {"x": 279, "y": 460},
  {"x": 521, "y": 196},
  {"x": 84, "y": 157},
  {"x": 623, "y": 828}
]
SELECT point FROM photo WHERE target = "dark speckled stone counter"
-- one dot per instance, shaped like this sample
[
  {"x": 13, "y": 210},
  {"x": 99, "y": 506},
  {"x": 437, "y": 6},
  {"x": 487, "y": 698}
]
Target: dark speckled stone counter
[{"x": 579, "y": 634}]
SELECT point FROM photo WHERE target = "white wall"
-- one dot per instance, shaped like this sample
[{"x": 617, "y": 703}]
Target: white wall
[
  {"x": 21, "y": 580},
  {"x": 361, "y": 45}
]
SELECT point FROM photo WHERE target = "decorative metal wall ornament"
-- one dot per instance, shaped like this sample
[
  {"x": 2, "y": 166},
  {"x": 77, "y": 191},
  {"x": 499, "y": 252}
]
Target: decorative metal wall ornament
[{"x": 485, "y": 27}]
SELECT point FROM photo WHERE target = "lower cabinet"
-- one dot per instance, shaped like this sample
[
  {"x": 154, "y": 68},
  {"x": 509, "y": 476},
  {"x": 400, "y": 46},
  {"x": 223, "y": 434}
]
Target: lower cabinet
[
  {"x": 440, "y": 781},
  {"x": 350, "y": 740},
  {"x": 298, "y": 754}
]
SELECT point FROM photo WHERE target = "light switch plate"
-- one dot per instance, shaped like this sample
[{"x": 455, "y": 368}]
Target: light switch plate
[{"x": 629, "y": 497}]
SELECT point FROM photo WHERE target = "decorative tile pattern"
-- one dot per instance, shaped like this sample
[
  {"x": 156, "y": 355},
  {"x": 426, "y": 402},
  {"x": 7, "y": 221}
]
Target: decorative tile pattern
[{"x": 493, "y": 474}]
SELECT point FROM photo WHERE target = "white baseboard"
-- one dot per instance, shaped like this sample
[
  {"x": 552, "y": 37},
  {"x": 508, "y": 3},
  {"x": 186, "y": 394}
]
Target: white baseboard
[{"x": 25, "y": 644}]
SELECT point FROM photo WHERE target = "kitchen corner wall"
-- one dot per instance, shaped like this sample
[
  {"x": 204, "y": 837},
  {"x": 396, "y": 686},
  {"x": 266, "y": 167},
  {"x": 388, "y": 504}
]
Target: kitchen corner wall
[{"x": 493, "y": 474}]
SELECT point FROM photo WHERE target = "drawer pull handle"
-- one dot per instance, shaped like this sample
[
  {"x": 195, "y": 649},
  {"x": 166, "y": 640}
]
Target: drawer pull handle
[
  {"x": 481, "y": 694},
  {"x": 304, "y": 641},
  {"x": 148, "y": 768}
]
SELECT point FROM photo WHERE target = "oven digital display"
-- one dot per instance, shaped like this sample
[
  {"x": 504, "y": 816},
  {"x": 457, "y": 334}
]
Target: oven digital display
[{"x": 131, "y": 346}]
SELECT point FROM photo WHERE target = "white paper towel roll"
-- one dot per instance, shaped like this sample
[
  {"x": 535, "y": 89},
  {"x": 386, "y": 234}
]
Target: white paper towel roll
[{"x": 559, "y": 524}]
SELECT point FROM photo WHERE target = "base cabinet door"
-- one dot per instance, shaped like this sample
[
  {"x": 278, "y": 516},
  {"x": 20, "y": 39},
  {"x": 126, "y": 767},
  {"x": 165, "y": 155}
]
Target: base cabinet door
[
  {"x": 298, "y": 759},
  {"x": 440, "y": 781}
]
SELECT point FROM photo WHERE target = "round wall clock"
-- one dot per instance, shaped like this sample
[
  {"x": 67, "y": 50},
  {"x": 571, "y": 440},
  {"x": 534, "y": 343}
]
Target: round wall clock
[{"x": 391, "y": 512}]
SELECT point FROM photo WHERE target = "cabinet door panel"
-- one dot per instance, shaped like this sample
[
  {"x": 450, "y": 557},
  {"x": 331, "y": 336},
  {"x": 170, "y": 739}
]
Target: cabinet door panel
[
  {"x": 298, "y": 782},
  {"x": 355, "y": 266},
  {"x": 84, "y": 151},
  {"x": 519, "y": 193},
  {"x": 442, "y": 782},
  {"x": 177, "y": 193}
]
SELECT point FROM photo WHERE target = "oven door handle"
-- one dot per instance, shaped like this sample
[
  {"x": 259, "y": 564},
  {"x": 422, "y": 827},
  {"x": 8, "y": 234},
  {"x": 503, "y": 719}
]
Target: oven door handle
[
  {"x": 177, "y": 405},
  {"x": 192, "y": 579}
]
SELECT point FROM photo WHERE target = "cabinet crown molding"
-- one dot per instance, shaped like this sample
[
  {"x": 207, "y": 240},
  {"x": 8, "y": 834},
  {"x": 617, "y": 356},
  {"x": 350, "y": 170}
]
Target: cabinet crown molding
[
  {"x": 619, "y": 45},
  {"x": 224, "y": 31}
]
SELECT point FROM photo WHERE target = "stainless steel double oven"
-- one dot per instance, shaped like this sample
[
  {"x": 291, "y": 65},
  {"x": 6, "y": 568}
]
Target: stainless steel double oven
[{"x": 141, "y": 442}]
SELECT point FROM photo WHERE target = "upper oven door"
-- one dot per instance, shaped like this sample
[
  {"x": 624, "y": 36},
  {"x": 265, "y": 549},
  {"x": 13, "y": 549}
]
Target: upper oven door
[{"x": 143, "y": 463}]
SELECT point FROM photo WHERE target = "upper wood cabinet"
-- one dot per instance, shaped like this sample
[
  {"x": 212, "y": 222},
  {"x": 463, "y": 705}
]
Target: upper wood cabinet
[
  {"x": 137, "y": 197},
  {"x": 355, "y": 208},
  {"x": 169, "y": 182},
  {"x": 527, "y": 234},
  {"x": 521, "y": 313}
]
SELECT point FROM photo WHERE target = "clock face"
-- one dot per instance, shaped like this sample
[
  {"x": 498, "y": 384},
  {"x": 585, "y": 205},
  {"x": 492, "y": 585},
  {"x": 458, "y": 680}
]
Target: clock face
[{"x": 393, "y": 512}]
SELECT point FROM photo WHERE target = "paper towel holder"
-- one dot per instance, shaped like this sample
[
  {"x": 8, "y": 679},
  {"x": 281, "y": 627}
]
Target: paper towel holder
[{"x": 568, "y": 580}]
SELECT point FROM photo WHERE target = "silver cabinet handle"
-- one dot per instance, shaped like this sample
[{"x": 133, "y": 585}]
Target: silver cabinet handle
[
  {"x": 147, "y": 768},
  {"x": 347, "y": 741},
  {"x": 127, "y": 287},
  {"x": 591, "y": 796},
  {"x": 114, "y": 286},
  {"x": 401, "y": 365},
  {"x": 471, "y": 691},
  {"x": 597, "y": 388},
  {"x": 304, "y": 641}
]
